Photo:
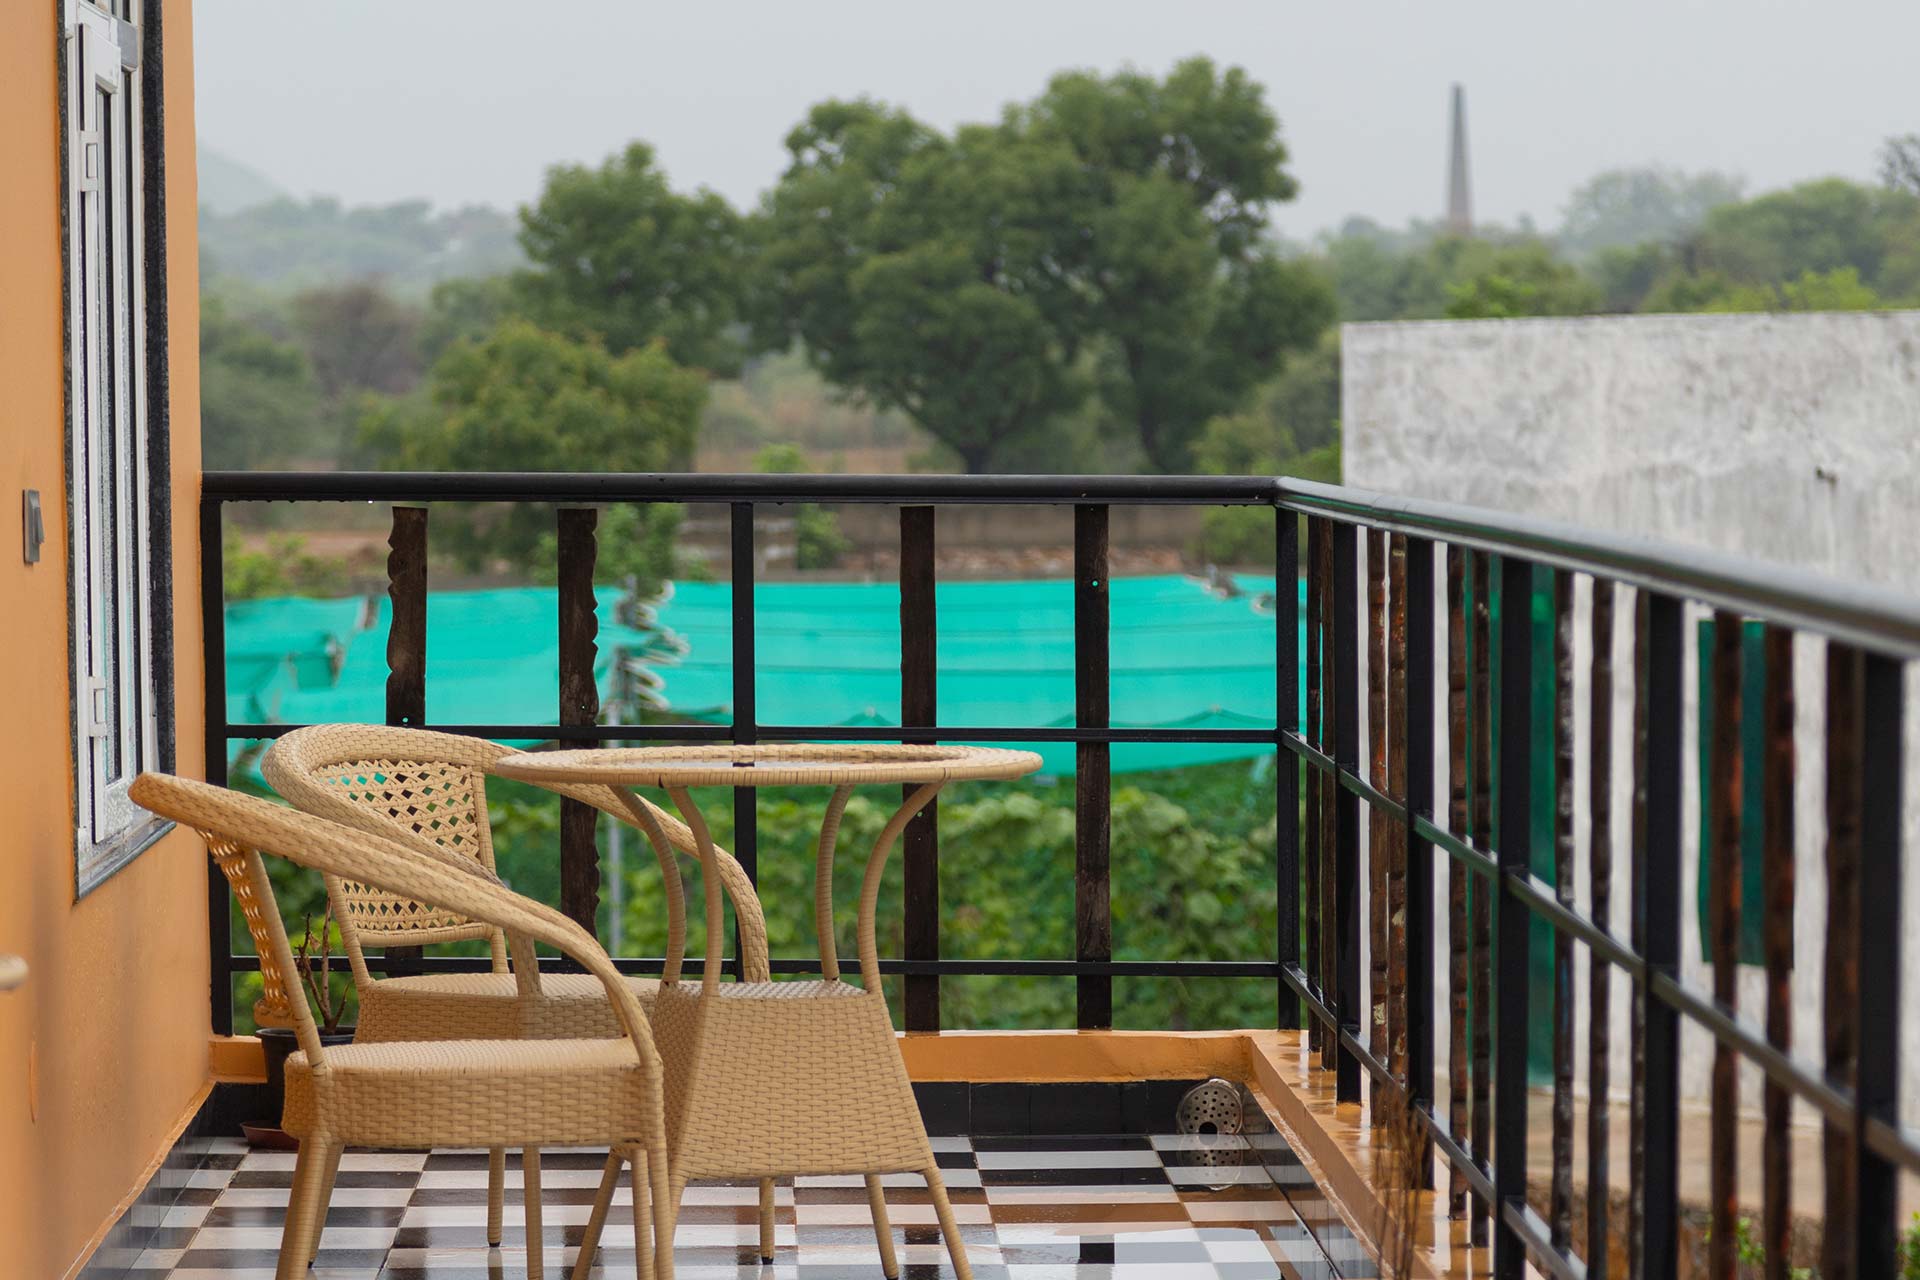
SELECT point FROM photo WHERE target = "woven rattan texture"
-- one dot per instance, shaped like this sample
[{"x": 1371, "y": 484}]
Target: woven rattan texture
[
  {"x": 465, "y": 1006},
  {"x": 272, "y": 1009},
  {"x": 489, "y": 1093},
  {"x": 797, "y": 764},
  {"x": 792, "y": 1077}
]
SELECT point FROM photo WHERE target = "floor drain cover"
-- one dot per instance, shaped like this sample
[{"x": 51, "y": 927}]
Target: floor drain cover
[{"x": 1212, "y": 1114}]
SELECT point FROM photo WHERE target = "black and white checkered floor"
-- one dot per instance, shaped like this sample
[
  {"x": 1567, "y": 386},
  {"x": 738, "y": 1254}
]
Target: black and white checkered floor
[{"x": 1030, "y": 1208}]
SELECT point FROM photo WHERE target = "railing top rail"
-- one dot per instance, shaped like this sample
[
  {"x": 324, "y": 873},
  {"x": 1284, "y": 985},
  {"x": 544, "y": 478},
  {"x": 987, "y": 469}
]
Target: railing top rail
[
  {"x": 573, "y": 486},
  {"x": 1872, "y": 617}
]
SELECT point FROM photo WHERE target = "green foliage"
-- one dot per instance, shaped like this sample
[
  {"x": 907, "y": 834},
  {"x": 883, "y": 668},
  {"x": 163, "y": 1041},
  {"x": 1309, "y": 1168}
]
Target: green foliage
[
  {"x": 464, "y": 311},
  {"x": 524, "y": 398},
  {"x": 257, "y": 395},
  {"x": 1816, "y": 226},
  {"x": 360, "y": 340},
  {"x": 1623, "y": 208},
  {"x": 622, "y": 257},
  {"x": 1522, "y": 280},
  {"x": 284, "y": 568},
  {"x": 1103, "y": 239},
  {"x": 1910, "y": 1250}
]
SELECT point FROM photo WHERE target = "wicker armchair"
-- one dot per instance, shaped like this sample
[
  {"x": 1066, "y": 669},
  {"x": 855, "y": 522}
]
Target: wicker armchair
[
  {"x": 456, "y": 1092},
  {"x": 429, "y": 790}
]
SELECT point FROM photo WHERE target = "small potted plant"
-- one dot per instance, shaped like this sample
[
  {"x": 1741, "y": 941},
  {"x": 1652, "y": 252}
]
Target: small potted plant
[{"x": 313, "y": 967}]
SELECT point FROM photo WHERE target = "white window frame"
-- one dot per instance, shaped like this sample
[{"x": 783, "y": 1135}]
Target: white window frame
[{"x": 117, "y": 690}]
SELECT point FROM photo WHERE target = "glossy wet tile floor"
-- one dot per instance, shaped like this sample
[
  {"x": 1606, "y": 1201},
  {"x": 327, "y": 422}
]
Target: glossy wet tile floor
[{"x": 1030, "y": 1208}]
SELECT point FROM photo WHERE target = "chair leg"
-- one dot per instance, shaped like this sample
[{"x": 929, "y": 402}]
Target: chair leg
[
  {"x": 666, "y": 1211},
  {"x": 496, "y": 1193},
  {"x": 602, "y": 1201},
  {"x": 643, "y": 1241},
  {"x": 949, "y": 1230},
  {"x": 536, "y": 1251},
  {"x": 766, "y": 1220},
  {"x": 328, "y": 1172},
  {"x": 882, "y": 1229},
  {"x": 303, "y": 1211}
]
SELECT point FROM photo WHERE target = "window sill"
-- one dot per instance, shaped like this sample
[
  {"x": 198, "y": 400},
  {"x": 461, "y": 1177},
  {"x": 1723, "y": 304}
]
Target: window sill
[{"x": 96, "y": 864}]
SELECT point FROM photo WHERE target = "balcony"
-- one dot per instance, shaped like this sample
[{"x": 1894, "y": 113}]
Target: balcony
[{"x": 1489, "y": 822}]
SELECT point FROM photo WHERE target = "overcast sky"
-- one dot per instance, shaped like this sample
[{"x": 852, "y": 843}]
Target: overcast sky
[{"x": 382, "y": 100}]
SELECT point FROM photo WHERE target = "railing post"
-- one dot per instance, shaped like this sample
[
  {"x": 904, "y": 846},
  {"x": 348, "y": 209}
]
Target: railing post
[
  {"x": 1513, "y": 920},
  {"x": 1286, "y": 765},
  {"x": 407, "y": 651},
  {"x": 919, "y": 705},
  {"x": 579, "y": 705},
  {"x": 213, "y": 631},
  {"x": 1093, "y": 818},
  {"x": 1419, "y": 855},
  {"x": 1656, "y": 890},
  {"x": 1346, "y": 754},
  {"x": 1876, "y": 1086},
  {"x": 746, "y": 714}
]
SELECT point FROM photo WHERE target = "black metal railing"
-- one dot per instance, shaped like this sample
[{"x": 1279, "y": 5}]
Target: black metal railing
[{"x": 1405, "y": 601}]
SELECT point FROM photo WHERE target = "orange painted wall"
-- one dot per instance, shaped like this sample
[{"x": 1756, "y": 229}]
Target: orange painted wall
[{"x": 105, "y": 1047}]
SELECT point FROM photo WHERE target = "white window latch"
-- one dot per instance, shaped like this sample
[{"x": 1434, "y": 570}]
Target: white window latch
[{"x": 94, "y": 704}]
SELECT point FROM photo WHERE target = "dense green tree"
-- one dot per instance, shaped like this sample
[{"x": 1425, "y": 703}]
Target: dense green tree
[
  {"x": 619, "y": 255},
  {"x": 465, "y": 311},
  {"x": 1522, "y": 280},
  {"x": 915, "y": 272},
  {"x": 258, "y": 402},
  {"x": 1627, "y": 207},
  {"x": 1189, "y": 309},
  {"x": 1108, "y": 237},
  {"x": 527, "y": 399},
  {"x": 1815, "y": 226}
]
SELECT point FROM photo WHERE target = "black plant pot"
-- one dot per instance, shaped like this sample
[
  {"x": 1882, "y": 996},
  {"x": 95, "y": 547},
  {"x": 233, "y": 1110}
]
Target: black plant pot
[{"x": 279, "y": 1044}]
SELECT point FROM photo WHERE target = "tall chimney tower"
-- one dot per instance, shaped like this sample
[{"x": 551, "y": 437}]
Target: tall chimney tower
[{"x": 1459, "y": 192}]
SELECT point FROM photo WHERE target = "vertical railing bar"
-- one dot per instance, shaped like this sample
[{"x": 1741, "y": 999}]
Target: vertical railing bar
[
  {"x": 1396, "y": 831},
  {"x": 1333, "y": 697},
  {"x": 1637, "y": 932},
  {"x": 1877, "y": 1081},
  {"x": 1093, "y": 816},
  {"x": 1657, "y": 899},
  {"x": 407, "y": 652},
  {"x": 1379, "y": 829},
  {"x": 1479, "y": 894},
  {"x": 1776, "y": 1222},
  {"x": 1600, "y": 909},
  {"x": 1723, "y": 929},
  {"x": 1840, "y": 1000},
  {"x": 919, "y": 704},
  {"x": 579, "y": 625},
  {"x": 1417, "y": 858},
  {"x": 1458, "y": 940},
  {"x": 746, "y": 712},
  {"x": 1346, "y": 733},
  {"x": 213, "y": 631},
  {"x": 1286, "y": 773},
  {"x": 1316, "y": 857},
  {"x": 1513, "y": 973},
  {"x": 1560, "y": 1196}
]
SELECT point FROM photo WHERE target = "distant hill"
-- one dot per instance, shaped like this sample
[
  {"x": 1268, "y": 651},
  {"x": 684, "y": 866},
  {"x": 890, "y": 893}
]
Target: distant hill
[
  {"x": 253, "y": 230},
  {"x": 228, "y": 186}
]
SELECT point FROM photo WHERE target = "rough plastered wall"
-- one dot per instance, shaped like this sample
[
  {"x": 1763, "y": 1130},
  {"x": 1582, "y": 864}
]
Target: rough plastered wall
[{"x": 1789, "y": 438}]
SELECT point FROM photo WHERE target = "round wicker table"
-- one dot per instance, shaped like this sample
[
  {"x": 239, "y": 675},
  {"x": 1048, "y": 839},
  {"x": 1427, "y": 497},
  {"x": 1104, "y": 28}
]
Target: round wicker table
[{"x": 774, "y": 1079}]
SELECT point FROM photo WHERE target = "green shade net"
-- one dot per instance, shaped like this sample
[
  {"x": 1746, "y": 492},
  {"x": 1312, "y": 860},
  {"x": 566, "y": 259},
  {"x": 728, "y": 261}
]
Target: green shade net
[{"x": 1183, "y": 656}]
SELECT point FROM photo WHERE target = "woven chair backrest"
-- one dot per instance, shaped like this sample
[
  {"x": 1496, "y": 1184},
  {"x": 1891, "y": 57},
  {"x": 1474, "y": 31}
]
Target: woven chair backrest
[
  {"x": 424, "y": 787},
  {"x": 240, "y": 827}
]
